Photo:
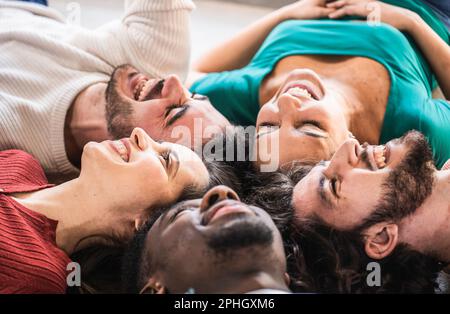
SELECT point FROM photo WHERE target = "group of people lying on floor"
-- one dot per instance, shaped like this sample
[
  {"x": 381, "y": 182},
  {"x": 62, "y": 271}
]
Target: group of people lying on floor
[{"x": 355, "y": 115}]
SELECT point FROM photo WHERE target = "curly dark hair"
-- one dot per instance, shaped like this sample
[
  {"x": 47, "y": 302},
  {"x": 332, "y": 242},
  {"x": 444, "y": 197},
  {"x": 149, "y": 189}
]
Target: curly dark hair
[
  {"x": 324, "y": 260},
  {"x": 228, "y": 158}
]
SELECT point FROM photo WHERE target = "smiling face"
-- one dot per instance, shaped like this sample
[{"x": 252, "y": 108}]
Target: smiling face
[
  {"x": 218, "y": 238},
  {"x": 158, "y": 106},
  {"x": 303, "y": 121},
  {"x": 346, "y": 191},
  {"x": 141, "y": 173}
]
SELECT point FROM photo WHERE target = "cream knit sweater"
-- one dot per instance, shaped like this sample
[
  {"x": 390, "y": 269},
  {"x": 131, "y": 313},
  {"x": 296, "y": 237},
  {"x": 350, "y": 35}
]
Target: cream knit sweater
[{"x": 45, "y": 63}]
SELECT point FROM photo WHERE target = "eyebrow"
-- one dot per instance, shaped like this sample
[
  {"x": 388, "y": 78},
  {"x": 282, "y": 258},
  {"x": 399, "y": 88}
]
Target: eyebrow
[{"x": 178, "y": 115}]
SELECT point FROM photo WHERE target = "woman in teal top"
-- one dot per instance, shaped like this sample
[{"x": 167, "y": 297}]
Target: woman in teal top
[{"x": 314, "y": 83}]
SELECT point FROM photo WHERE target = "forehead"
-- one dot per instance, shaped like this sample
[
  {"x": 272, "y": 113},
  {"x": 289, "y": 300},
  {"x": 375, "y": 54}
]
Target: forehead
[
  {"x": 163, "y": 221},
  {"x": 304, "y": 147},
  {"x": 287, "y": 146},
  {"x": 190, "y": 162}
]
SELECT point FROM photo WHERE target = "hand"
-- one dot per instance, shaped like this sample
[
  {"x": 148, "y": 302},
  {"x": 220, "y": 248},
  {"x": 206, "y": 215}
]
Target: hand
[
  {"x": 306, "y": 10},
  {"x": 374, "y": 11}
]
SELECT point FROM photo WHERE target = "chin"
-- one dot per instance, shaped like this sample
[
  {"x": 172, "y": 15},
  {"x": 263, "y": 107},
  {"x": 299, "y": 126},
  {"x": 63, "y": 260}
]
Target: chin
[{"x": 94, "y": 153}]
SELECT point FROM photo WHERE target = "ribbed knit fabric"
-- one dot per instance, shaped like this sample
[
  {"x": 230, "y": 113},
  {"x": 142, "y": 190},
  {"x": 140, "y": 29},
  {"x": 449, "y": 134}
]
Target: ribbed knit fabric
[
  {"x": 30, "y": 261},
  {"x": 45, "y": 63}
]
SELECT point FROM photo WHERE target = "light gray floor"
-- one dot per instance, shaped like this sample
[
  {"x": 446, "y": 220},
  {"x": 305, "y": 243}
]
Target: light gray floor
[{"x": 212, "y": 21}]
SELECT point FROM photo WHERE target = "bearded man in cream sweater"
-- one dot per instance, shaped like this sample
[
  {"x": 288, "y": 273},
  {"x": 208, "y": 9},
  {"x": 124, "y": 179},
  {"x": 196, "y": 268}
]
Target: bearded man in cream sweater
[{"x": 62, "y": 85}]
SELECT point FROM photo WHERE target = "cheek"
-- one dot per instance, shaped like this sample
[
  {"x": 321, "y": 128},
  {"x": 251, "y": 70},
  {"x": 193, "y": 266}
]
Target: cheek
[
  {"x": 150, "y": 120},
  {"x": 268, "y": 112},
  {"x": 303, "y": 200},
  {"x": 147, "y": 177}
]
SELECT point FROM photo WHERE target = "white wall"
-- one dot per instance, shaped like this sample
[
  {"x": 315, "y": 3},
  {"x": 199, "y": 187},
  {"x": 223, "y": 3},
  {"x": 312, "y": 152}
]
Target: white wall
[{"x": 212, "y": 21}]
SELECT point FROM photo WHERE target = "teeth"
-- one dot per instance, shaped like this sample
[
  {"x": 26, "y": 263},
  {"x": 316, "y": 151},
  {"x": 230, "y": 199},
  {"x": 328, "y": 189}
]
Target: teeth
[
  {"x": 121, "y": 148},
  {"x": 138, "y": 88},
  {"x": 145, "y": 89},
  {"x": 379, "y": 155},
  {"x": 297, "y": 91}
]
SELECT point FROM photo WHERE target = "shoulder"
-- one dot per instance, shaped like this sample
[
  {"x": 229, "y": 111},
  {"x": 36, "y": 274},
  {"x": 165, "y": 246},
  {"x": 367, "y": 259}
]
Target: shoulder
[
  {"x": 18, "y": 157},
  {"x": 20, "y": 172}
]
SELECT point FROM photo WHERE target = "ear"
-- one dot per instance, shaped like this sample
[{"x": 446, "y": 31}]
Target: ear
[
  {"x": 153, "y": 286},
  {"x": 287, "y": 279},
  {"x": 381, "y": 240}
]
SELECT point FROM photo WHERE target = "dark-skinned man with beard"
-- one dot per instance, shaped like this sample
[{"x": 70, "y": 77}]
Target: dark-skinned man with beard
[{"x": 212, "y": 245}]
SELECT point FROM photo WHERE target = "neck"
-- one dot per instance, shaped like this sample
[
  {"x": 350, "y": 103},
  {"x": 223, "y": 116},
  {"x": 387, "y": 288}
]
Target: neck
[
  {"x": 348, "y": 99},
  {"x": 85, "y": 121},
  {"x": 258, "y": 282},
  {"x": 363, "y": 121},
  {"x": 83, "y": 219},
  {"x": 428, "y": 229},
  {"x": 244, "y": 284}
]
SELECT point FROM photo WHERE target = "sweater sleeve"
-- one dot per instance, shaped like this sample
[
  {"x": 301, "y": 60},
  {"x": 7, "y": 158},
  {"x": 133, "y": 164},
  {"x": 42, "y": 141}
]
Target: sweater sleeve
[{"x": 153, "y": 36}]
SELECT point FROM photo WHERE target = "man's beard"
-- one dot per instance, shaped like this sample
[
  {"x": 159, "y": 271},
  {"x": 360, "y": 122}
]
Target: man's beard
[
  {"x": 408, "y": 185},
  {"x": 243, "y": 233},
  {"x": 119, "y": 112}
]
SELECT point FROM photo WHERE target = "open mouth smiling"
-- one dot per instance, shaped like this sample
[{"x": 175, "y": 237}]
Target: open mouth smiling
[
  {"x": 302, "y": 89},
  {"x": 144, "y": 88},
  {"x": 376, "y": 156},
  {"x": 122, "y": 148}
]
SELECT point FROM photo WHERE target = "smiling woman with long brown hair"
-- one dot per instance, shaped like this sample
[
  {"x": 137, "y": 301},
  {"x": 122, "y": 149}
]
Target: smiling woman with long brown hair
[
  {"x": 120, "y": 184},
  {"x": 310, "y": 81}
]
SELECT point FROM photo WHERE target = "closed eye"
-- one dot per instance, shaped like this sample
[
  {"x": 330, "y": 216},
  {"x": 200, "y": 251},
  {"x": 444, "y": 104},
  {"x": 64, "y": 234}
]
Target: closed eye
[
  {"x": 177, "y": 212},
  {"x": 170, "y": 108},
  {"x": 333, "y": 187},
  {"x": 166, "y": 156},
  {"x": 311, "y": 128},
  {"x": 266, "y": 128}
]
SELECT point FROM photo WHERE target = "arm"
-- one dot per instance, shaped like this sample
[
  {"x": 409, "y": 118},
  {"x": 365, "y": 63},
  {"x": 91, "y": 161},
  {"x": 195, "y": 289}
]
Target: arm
[
  {"x": 153, "y": 36},
  {"x": 435, "y": 50},
  {"x": 433, "y": 47},
  {"x": 239, "y": 50},
  {"x": 158, "y": 32}
]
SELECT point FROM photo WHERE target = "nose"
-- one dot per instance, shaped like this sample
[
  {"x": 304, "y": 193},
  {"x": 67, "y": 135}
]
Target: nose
[
  {"x": 143, "y": 141},
  {"x": 216, "y": 195},
  {"x": 345, "y": 158},
  {"x": 288, "y": 105},
  {"x": 174, "y": 89}
]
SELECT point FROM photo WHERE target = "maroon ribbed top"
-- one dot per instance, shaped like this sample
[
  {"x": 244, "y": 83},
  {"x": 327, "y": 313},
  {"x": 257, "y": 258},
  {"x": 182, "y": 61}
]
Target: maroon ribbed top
[{"x": 30, "y": 261}]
